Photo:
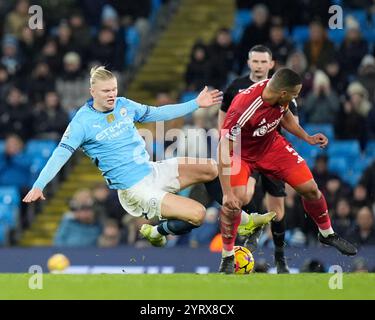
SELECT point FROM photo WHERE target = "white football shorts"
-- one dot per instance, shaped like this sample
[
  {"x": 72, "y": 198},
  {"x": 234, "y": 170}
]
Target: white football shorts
[{"x": 145, "y": 197}]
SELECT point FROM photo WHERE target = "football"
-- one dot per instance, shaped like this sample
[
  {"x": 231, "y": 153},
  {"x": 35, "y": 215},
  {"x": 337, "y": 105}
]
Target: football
[
  {"x": 58, "y": 262},
  {"x": 244, "y": 260}
]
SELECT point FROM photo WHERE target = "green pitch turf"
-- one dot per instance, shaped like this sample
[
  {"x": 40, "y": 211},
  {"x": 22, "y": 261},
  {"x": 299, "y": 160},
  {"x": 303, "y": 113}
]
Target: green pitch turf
[{"x": 188, "y": 286}]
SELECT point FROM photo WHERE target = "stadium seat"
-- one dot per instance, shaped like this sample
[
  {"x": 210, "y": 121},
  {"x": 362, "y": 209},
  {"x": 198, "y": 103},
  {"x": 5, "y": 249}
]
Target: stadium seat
[
  {"x": 349, "y": 149},
  {"x": 132, "y": 39},
  {"x": 370, "y": 149},
  {"x": 9, "y": 215},
  {"x": 9, "y": 195},
  {"x": 336, "y": 36},
  {"x": 338, "y": 165},
  {"x": 40, "y": 148},
  {"x": 308, "y": 151},
  {"x": 242, "y": 19},
  {"x": 300, "y": 34},
  {"x": 326, "y": 129},
  {"x": 2, "y": 146}
]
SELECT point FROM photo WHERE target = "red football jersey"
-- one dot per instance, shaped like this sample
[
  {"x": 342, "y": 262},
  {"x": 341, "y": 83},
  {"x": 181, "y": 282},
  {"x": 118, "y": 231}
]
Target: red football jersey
[{"x": 254, "y": 121}]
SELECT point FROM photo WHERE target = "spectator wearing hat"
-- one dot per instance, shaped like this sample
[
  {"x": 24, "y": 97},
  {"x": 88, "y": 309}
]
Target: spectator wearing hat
[
  {"x": 11, "y": 57},
  {"x": 322, "y": 104},
  {"x": 72, "y": 84},
  {"x": 351, "y": 119}
]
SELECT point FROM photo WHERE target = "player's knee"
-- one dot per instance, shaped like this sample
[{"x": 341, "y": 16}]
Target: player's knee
[
  {"x": 312, "y": 192},
  {"x": 198, "y": 215},
  {"x": 212, "y": 171}
]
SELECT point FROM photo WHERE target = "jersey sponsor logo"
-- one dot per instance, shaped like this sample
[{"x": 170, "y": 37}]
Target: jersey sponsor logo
[
  {"x": 123, "y": 112},
  {"x": 113, "y": 131},
  {"x": 266, "y": 128},
  {"x": 263, "y": 121}
]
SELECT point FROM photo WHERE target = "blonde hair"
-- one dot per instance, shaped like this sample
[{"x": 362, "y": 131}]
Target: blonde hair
[{"x": 100, "y": 73}]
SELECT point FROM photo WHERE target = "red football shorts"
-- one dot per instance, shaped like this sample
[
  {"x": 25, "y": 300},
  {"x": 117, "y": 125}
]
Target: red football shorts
[{"x": 281, "y": 162}]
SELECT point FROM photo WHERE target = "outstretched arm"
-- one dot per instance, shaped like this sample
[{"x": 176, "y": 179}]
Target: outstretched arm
[
  {"x": 59, "y": 157},
  {"x": 290, "y": 124},
  {"x": 205, "y": 99}
]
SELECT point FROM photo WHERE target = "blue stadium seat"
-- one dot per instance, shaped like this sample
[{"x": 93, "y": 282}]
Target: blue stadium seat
[
  {"x": 359, "y": 15},
  {"x": 370, "y": 149},
  {"x": 2, "y": 146},
  {"x": 338, "y": 165},
  {"x": 345, "y": 148},
  {"x": 155, "y": 6},
  {"x": 326, "y": 129},
  {"x": 9, "y": 215},
  {"x": 242, "y": 19},
  {"x": 9, "y": 195},
  {"x": 132, "y": 39},
  {"x": 336, "y": 36},
  {"x": 300, "y": 34},
  {"x": 40, "y": 148},
  {"x": 3, "y": 234},
  {"x": 308, "y": 151}
]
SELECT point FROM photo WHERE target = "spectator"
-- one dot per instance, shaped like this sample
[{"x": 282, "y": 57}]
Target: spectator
[
  {"x": 197, "y": 73},
  {"x": 5, "y": 84},
  {"x": 321, "y": 105},
  {"x": 321, "y": 173},
  {"x": 108, "y": 49},
  {"x": 52, "y": 56},
  {"x": 368, "y": 180},
  {"x": 351, "y": 119},
  {"x": 15, "y": 115},
  {"x": 222, "y": 54},
  {"x": 319, "y": 50},
  {"x": 72, "y": 83},
  {"x": 279, "y": 45},
  {"x": 18, "y": 18},
  {"x": 366, "y": 75},
  {"x": 359, "y": 199},
  {"x": 111, "y": 235},
  {"x": 363, "y": 233},
  {"x": 255, "y": 33},
  {"x": 50, "y": 121},
  {"x": 352, "y": 49},
  {"x": 79, "y": 227},
  {"x": 11, "y": 58},
  {"x": 297, "y": 62},
  {"x": 41, "y": 82},
  {"x": 14, "y": 164},
  {"x": 342, "y": 217}
]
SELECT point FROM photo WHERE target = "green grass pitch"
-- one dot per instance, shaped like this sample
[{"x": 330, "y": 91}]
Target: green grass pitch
[{"x": 188, "y": 286}]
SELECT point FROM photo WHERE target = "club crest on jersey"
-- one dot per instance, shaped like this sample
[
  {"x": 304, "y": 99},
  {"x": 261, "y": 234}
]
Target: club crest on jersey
[
  {"x": 236, "y": 130},
  {"x": 123, "y": 112},
  {"x": 110, "y": 118}
]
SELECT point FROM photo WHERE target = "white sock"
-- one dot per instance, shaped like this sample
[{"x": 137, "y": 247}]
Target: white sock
[
  {"x": 244, "y": 218},
  {"x": 226, "y": 253},
  {"x": 154, "y": 232},
  {"x": 325, "y": 233}
]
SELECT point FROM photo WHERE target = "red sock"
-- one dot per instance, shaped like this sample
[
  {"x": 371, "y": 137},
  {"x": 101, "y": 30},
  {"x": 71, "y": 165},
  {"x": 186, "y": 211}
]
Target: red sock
[
  {"x": 229, "y": 230},
  {"x": 318, "y": 211}
]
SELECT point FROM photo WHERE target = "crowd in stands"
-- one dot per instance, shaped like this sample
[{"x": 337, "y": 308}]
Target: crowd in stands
[{"x": 43, "y": 78}]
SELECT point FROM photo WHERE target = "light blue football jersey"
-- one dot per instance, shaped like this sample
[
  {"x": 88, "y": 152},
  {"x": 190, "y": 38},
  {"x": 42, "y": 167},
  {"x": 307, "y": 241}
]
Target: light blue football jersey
[{"x": 112, "y": 141}]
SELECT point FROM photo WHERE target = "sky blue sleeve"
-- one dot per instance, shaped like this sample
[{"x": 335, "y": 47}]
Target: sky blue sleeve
[
  {"x": 144, "y": 113},
  {"x": 73, "y": 137},
  {"x": 58, "y": 158}
]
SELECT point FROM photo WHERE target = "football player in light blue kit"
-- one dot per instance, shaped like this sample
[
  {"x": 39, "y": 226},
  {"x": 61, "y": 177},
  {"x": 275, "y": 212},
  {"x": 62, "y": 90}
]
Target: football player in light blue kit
[{"x": 104, "y": 128}]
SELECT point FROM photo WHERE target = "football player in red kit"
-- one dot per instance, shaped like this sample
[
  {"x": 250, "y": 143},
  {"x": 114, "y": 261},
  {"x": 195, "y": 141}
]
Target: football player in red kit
[{"x": 250, "y": 142}]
